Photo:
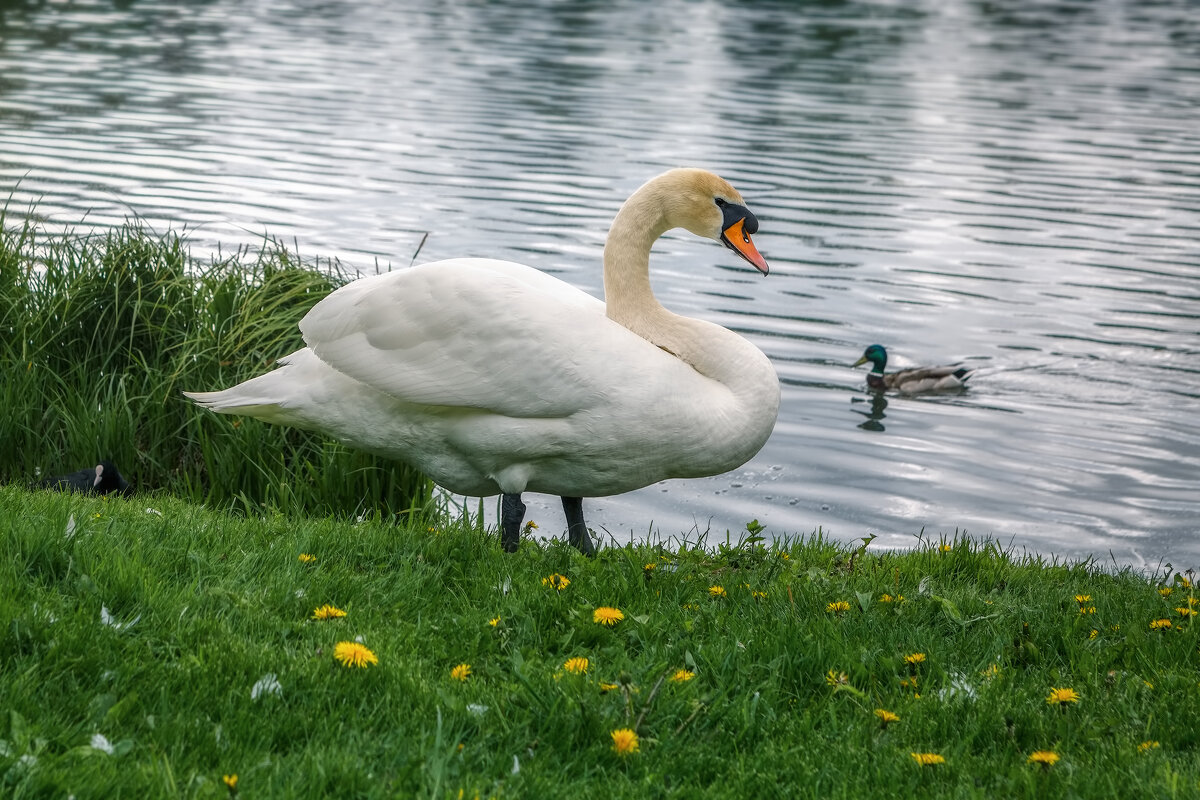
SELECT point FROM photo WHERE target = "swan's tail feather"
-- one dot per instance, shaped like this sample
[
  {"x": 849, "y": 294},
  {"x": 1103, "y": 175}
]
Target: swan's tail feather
[
  {"x": 266, "y": 397},
  {"x": 231, "y": 401}
]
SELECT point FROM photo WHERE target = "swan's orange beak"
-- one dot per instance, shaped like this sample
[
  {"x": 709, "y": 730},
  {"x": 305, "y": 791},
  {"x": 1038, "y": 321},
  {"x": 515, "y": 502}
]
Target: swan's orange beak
[{"x": 737, "y": 239}]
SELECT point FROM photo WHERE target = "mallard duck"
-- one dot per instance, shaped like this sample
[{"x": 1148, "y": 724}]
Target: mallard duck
[
  {"x": 495, "y": 378},
  {"x": 913, "y": 380}
]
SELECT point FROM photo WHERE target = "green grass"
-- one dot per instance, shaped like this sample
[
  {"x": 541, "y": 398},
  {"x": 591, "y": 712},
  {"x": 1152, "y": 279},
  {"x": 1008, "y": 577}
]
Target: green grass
[
  {"x": 101, "y": 332},
  {"x": 214, "y": 602}
]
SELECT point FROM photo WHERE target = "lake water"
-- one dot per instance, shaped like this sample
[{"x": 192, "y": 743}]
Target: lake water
[{"x": 1011, "y": 185}]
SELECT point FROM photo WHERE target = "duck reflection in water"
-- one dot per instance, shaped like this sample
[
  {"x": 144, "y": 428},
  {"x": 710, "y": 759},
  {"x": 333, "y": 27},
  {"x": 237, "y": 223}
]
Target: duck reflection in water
[{"x": 878, "y": 406}]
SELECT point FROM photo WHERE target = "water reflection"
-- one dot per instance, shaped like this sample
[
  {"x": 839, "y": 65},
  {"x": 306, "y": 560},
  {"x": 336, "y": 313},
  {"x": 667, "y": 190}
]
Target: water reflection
[
  {"x": 875, "y": 415},
  {"x": 1026, "y": 200}
]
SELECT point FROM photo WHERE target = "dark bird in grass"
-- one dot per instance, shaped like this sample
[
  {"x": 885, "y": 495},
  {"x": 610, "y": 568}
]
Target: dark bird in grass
[
  {"x": 914, "y": 380},
  {"x": 104, "y": 478}
]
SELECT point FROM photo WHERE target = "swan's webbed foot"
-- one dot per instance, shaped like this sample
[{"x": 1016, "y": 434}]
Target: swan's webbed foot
[
  {"x": 512, "y": 514},
  {"x": 577, "y": 532}
]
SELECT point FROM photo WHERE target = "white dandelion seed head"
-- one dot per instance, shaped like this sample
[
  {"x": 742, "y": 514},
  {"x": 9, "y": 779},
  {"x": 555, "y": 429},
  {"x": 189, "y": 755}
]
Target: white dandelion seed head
[
  {"x": 959, "y": 689},
  {"x": 106, "y": 618},
  {"x": 266, "y": 685}
]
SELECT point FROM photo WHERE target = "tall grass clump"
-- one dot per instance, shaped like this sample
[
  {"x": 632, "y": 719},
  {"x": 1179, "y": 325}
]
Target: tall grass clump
[{"x": 101, "y": 332}]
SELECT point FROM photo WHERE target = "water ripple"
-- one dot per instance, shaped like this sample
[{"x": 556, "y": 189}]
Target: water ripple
[{"x": 1025, "y": 203}]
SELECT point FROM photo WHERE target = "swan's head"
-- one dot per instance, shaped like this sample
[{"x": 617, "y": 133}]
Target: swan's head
[{"x": 708, "y": 206}]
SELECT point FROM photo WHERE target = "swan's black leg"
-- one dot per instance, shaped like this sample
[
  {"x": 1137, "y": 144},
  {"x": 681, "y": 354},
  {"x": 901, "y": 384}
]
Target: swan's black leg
[
  {"x": 512, "y": 514},
  {"x": 577, "y": 532}
]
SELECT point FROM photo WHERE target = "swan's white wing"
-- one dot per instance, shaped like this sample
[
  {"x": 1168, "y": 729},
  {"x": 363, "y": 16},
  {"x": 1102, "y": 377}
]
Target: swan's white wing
[{"x": 474, "y": 333}]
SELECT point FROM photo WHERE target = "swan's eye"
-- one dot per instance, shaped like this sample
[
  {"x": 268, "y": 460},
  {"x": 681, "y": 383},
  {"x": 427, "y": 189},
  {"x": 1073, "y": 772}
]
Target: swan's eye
[{"x": 721, "y": 203}]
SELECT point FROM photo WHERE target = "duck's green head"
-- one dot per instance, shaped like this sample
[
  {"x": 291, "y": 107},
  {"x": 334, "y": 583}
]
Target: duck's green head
[{"x": 876, "y": 355}]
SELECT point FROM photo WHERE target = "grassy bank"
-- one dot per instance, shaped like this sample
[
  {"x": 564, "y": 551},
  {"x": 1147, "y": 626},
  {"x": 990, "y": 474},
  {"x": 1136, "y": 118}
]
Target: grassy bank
[
  {"x": 99, "y": 334},
  {"x": 135, "y": 632}
]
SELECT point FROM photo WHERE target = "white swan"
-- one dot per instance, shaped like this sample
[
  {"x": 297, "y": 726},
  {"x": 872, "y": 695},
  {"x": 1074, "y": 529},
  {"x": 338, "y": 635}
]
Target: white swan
[{"x": 492, "y": 377}]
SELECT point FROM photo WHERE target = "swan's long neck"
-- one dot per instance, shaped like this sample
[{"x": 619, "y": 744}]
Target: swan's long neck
[
  {"x": 710, "y": 349},
  {"x": 627, "y": 294}
]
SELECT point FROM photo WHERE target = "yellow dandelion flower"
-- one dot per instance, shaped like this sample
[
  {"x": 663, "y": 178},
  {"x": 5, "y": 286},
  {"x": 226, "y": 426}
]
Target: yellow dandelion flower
[
  {"x": 1192, "y": 602},
  {"x": 1184, "y": 582},
  {"x": 914, "y": 658},
  {"x": 306, "y": 558},
  {"x": 353, "y": 654},
  {"x": 1165, "y": 591},
  {"x": 1087, "y": 609},
  {"x": 1094, "y": 633},
  {"x": 1160, "y": 624},
  {"x": 758, "y": 595},
  {"x": 327, "y": 612},
  {"x": 577, "y": 665},
  {"x": 682, "y": 676},
  {"x": 1046, "y": 758},
  {"x": 608, "y": 687},
  {"x": 1149, "y": 685},
  {"x": 649, "y": 567},
  {"x": 606, "y": 615},
  {"x": 531, "y": 526},
  {"x": 1081, "y": 599},
  {"x": 1147, "y": 746},
  {"x": 556, "y": 581},
  {"x": 928, "y": 759},
  {"x": 494, "y": 621},
  {"x": 230, "y": 781},
  {"x": 716, "y": 591},
  {"x": 461, "y": 672},
  {"x": 992, "y": 671},
  {"x": 1062, "y": 696},
  {"x": 1184, "y": 611},
  {"x": 838, "y": 607},
  {"x": 625, "y": 741},
  {"x": 835, "y": 678},
  {"x": 945, "y": 548},
  {"x": 886, "y": 716},
  {"x": 886, "y": 598},
  {"x": 908, "y": 683}
]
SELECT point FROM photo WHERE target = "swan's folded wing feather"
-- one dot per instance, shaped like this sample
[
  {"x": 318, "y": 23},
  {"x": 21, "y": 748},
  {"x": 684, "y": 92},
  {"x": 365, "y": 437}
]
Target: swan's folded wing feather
[{"x": 470, "y": 333}]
